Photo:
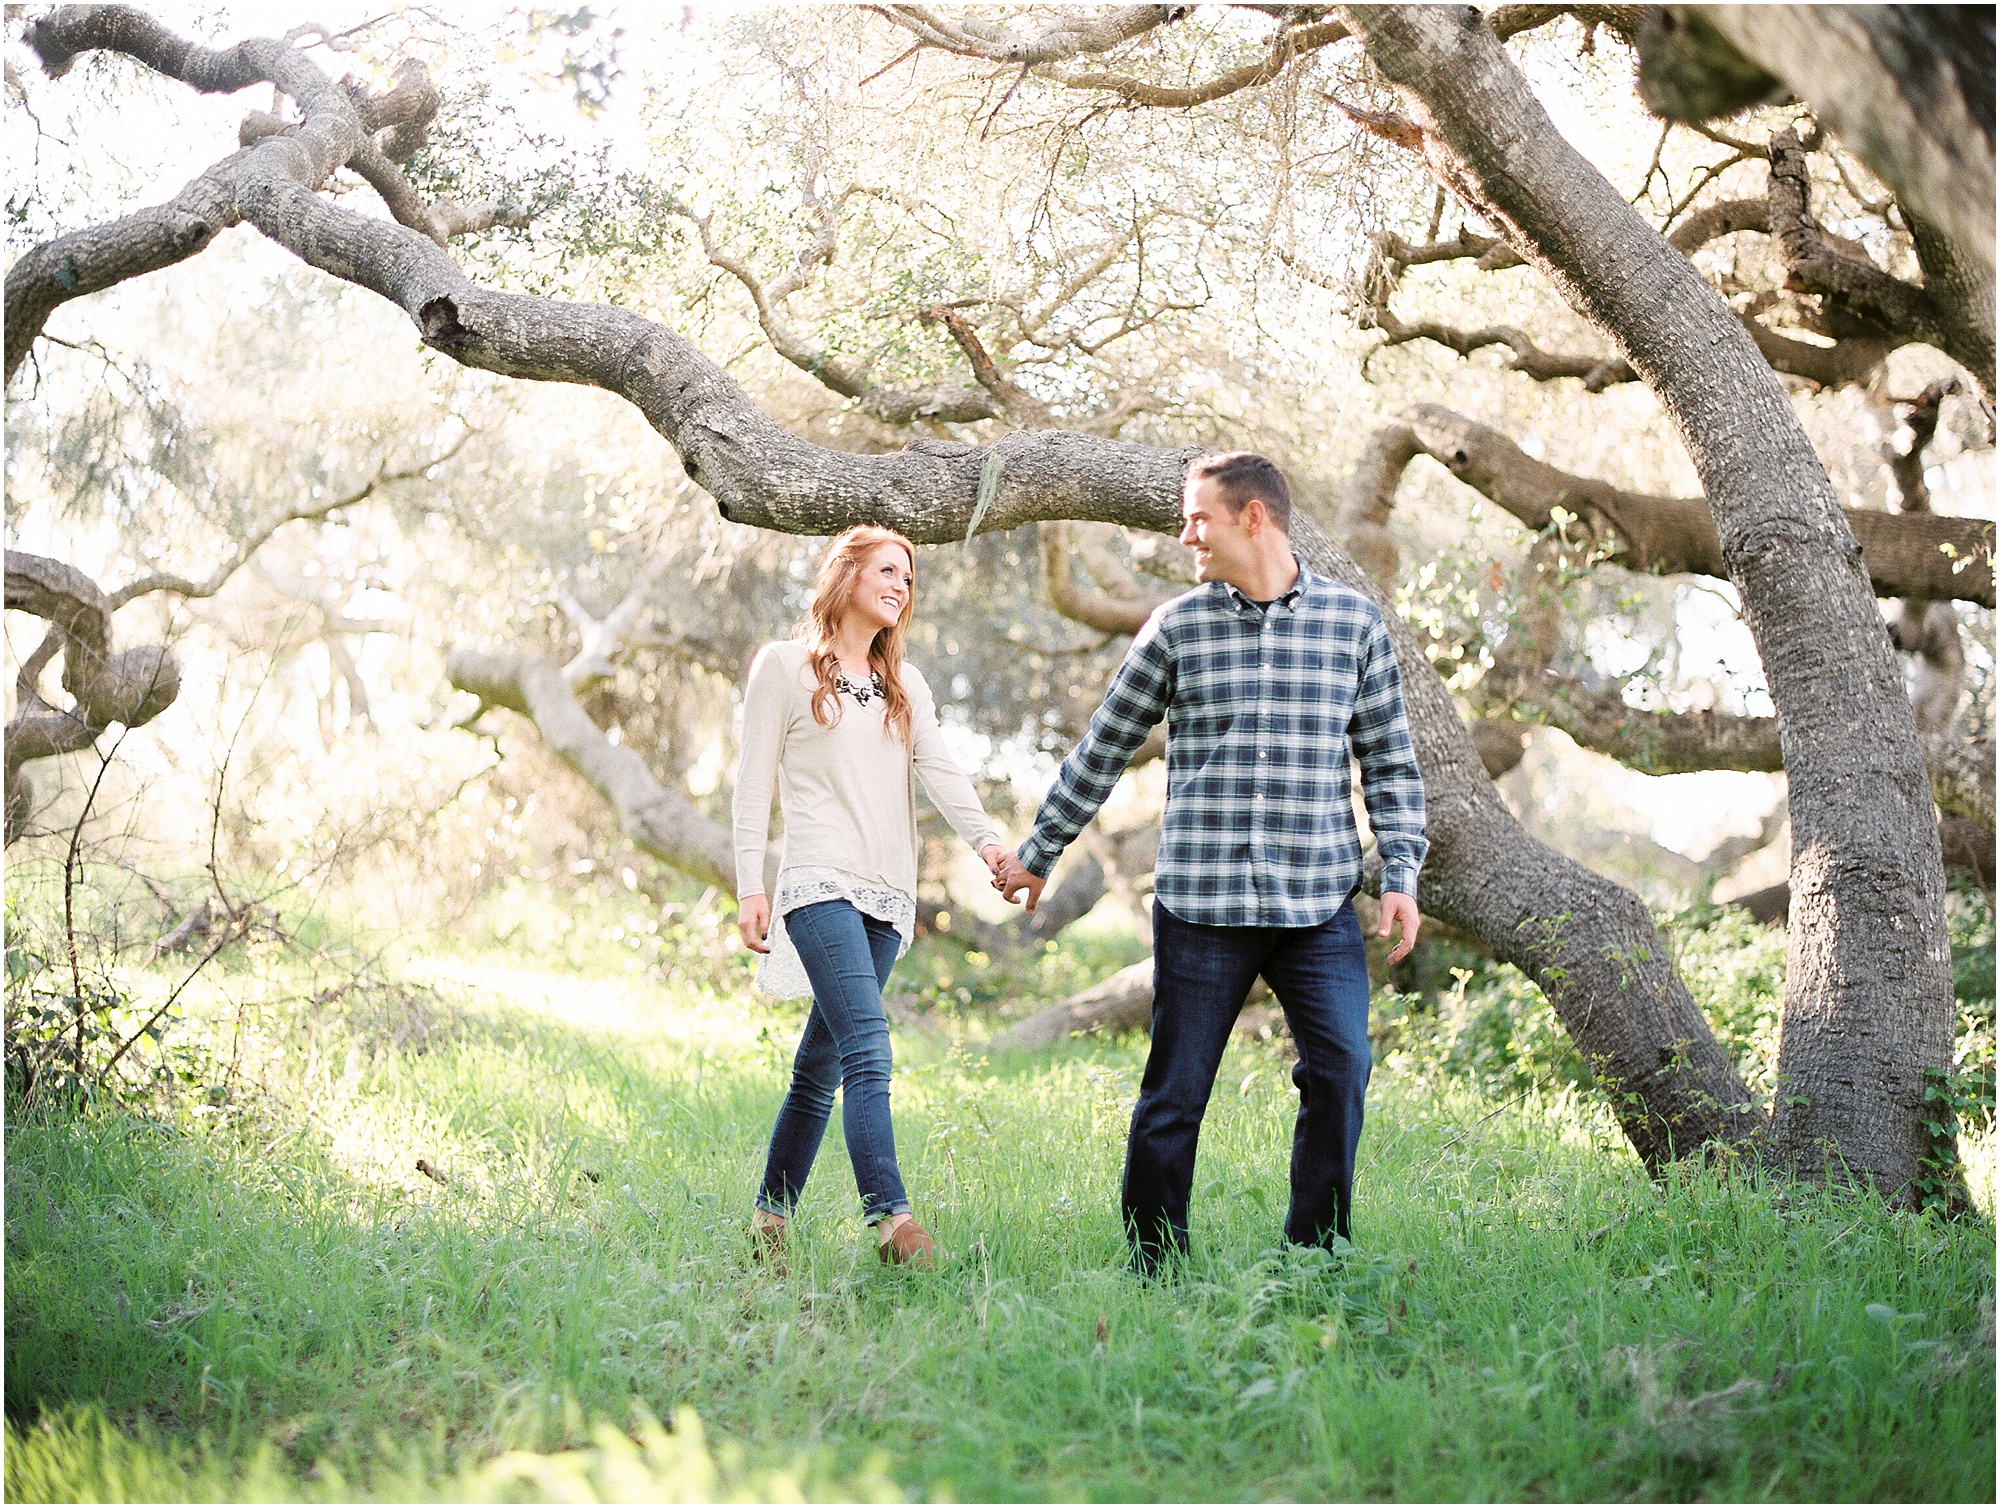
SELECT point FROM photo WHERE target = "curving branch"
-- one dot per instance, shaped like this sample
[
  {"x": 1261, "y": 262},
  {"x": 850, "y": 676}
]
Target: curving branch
[
  {"x": 1913, "y": 555},
  {"x": 955, "y": 403},
  {"x": 131, "y": 686},
  {"x": 1669, "y": 536},
  {"x": 1067, "y": 36},
  {"x": 605, "y": 640},
  {"x": 658, "y": 820},
  {"x": 1723, "y": 218},
  {"x": 337, "y": 130},
  {"x": 1393, "y": 256},
  {"x": 1291, "y": 43},
  {"x": 1851, "y": 358},
  {"x": 1622, "y": 21},
  {"x": 1074, "y": 37},
  {"x": 1595, "y": 372},
  {"x": 1118, "y": 607},
  {"x": 1010, "y": 399}
]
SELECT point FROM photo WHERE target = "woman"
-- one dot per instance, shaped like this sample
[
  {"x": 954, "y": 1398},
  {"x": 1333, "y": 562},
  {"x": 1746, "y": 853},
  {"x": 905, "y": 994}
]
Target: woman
[{"x": 841, "y": 726}]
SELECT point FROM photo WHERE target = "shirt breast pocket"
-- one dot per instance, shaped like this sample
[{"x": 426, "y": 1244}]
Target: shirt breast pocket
[{"x": 1330, "y": 678}]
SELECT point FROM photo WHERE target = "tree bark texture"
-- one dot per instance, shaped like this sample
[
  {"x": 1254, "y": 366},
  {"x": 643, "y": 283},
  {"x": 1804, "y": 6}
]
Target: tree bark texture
[
  {"x": 1908, "y": 87},
  {"x": 1587, "y": 942},
  {"x": 107, "y": 686},
  {"x": 1869, "y": 1002}
]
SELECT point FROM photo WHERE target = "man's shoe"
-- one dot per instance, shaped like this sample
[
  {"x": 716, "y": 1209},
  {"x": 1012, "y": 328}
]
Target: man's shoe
[{"x": 908, "y": 1246}]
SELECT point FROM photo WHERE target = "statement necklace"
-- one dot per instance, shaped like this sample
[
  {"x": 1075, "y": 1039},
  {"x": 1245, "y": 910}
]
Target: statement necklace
[{"x": 862, "y": 695}]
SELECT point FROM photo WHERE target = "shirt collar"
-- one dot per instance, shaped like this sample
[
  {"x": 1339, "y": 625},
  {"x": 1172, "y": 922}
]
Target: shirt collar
[{"x": 1289, "y": 597}]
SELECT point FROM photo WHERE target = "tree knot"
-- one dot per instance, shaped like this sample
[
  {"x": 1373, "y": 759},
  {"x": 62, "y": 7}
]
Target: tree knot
[{"x": 439, "y": 321}]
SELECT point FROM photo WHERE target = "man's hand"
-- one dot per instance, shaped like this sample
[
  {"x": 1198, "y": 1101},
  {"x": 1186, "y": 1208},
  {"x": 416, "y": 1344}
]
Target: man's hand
[
  {"x": 1398, "y": 907},
  {"x": 753, "y": 922},
  {"x": 1013, "y": 877}
]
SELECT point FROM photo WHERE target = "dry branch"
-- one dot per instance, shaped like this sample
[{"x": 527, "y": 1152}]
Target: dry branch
[{"x": 659, "y": 821}]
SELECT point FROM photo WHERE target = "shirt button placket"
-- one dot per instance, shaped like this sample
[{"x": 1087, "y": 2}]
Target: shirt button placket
[{"x": 1257, "y": 807}]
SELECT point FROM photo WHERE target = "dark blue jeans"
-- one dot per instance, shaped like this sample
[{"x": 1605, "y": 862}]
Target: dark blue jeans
[
  {"x": 1200, "y": 976},
  {"x": 847, "y": 956}
]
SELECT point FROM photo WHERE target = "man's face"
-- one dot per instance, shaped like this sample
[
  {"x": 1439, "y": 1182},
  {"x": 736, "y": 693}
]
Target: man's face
[{"x": 1221, "y": 540}]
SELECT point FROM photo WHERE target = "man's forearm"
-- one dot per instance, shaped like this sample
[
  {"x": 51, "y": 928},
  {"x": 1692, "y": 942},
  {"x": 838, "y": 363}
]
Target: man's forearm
[{"x": 1136, "y": 700}]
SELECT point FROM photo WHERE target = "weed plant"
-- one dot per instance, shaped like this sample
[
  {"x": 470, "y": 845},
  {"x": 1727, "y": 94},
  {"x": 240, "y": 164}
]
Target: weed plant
[{"x": 260, "y": 1295}]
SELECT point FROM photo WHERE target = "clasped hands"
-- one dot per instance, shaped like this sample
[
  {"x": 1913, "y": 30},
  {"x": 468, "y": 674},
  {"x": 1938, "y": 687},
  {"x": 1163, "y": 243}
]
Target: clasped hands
[{"x": 1011, "y": 876}]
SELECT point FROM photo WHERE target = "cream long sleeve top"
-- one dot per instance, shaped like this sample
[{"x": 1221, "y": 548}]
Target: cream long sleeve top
[{"x": 848, "y": 792}]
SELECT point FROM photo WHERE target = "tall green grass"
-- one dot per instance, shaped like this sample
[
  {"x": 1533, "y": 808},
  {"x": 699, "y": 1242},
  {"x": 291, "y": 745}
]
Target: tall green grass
[{"x": 266, "y": 1298}]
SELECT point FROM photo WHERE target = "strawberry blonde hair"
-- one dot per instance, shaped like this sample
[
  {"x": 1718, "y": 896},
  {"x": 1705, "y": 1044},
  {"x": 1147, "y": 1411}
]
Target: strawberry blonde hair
[{"x": 839, "y": 568}]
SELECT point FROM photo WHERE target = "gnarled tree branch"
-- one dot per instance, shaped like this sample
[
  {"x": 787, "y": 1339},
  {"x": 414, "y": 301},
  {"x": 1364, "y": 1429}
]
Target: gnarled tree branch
[
  {"x": 1929, "y": 556},
  {"x": 659, "y": 821},
  {"x": 131, "y": 686},
  {"x": 1856, "y": 286}
]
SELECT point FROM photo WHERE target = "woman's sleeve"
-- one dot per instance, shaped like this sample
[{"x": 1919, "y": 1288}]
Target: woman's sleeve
[
  {"x": 764, "y": 699},
  {"x": 944, "y": 782}
]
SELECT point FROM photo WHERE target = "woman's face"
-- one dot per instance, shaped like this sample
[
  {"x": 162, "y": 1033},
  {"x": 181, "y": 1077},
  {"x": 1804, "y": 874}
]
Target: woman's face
[{"x": 883, "y": 587}]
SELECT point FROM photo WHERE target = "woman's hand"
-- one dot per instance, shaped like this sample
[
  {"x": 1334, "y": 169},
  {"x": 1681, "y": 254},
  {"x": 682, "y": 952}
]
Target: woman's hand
[
  {"x": 995, "y": 856},
  {"x": 753, "y": 922}
]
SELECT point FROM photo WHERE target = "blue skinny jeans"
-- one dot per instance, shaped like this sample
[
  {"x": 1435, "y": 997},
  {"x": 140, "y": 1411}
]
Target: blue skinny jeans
[
  {"x": 847, "y": 956},
  {"x": 1200, "y": 976}
]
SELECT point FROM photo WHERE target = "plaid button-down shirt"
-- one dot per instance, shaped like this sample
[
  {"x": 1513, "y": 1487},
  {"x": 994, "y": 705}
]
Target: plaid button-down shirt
[{"x": 1261, "y": 707}]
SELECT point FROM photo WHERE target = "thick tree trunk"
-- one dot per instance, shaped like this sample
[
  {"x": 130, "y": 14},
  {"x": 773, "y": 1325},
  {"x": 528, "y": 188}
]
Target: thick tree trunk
[{"x": 1868, "y": 1002}]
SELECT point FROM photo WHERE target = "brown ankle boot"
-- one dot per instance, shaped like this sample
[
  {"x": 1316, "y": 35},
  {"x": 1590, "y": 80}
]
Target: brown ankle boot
[
  {"x": 908, "y": 1245},
  {"x": 767, "y": 1245}
]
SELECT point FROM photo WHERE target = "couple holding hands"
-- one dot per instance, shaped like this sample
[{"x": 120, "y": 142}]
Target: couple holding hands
[{"x": 1268, "y": 676}]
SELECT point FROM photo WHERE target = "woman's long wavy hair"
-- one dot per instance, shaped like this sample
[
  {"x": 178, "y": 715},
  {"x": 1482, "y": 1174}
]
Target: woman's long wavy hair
[{"x": 839, "y": 567}]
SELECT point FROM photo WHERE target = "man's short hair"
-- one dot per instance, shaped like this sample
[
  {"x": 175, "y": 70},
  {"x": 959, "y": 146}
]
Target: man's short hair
[{"x": 1240, "y": 475}]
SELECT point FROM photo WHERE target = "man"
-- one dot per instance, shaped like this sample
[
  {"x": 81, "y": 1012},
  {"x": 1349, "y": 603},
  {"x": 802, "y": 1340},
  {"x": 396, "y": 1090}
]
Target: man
[{"x": 1267, "y": 674}]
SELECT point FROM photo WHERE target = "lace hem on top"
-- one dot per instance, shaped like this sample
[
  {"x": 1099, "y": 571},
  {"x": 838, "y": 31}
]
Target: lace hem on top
[{"x": 783, "y": 973}]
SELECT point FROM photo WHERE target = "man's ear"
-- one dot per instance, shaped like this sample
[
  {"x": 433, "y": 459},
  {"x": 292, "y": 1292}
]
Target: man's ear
[{"x": 1254, "y": 516}]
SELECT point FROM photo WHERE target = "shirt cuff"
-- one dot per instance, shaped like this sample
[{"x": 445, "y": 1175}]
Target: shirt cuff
[
  {"x": 1401, "y": 879},
  {"x": 1038, "y": 856}
]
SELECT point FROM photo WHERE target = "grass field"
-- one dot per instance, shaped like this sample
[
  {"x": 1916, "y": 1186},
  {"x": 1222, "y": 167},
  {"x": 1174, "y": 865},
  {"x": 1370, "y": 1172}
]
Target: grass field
[{"x": 263, "y": 1297}]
